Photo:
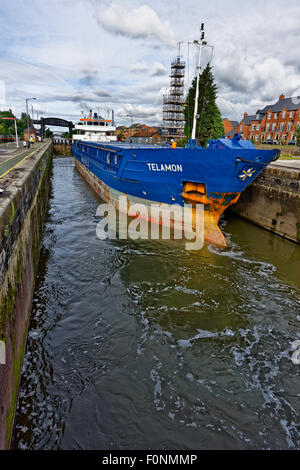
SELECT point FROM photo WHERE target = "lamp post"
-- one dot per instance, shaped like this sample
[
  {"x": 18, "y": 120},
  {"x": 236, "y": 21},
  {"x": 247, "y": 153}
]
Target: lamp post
[
  {"x": 39, "y": 117},
  {"x": 131, "y": 120},
  {"x": 28, "y": 99}
]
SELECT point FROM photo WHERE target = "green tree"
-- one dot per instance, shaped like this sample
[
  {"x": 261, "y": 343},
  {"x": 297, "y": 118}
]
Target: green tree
[
  {"x": 297, "y": 135},
  {"x": 7, "y": 127},
  {"x": 182, "y": 142},
  {"x": 68, "y": 135},
  {"x": 209, "y": 123},
  {"x": 48, "y": 133},
  {"x": 22, "y": 124}
]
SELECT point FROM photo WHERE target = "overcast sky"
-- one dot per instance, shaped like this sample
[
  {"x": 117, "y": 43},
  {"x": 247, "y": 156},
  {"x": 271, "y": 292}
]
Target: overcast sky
[{"x": 74, "y": 55}]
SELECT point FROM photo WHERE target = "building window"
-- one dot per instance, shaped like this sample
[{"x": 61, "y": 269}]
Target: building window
[
  {"x": 270, "y": 115},
  {"x": 256, "y": 137},
  {"x": 257, "y": 127},
  {"x": 284, "y": 137},
  {"x": 251, "y": 136},
  {"x": 281, "y": 127},
  {"x": 253, "y": 127},
  {"x": 269, "y": 136},
  {"x": 273, "y": 127},
  {"x": 275, "y": 115},
  {"x": 268, "y": 127},
  {"x": 291, "y": 114},
  {"x": 283, "y": 114},
  {"x": 241, "y": 128},
  {"x": 290, "y": 125}
]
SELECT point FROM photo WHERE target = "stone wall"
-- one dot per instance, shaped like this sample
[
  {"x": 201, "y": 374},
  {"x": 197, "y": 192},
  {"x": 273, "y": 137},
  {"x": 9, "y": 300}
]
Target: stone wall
[
  {"x": 62, "y": 149},
  {"x": 273, "y": 202},
  {"x": 22, "y": 209}
]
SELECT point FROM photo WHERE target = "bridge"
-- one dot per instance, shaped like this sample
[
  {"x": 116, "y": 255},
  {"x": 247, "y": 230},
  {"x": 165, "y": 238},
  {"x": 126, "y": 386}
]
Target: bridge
[{"x": 43, "y": 122}]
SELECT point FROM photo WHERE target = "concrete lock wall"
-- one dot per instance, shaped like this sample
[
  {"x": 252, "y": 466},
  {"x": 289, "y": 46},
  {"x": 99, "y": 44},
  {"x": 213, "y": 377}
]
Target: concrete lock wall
[
  {"x": 62, "y": 149},
  {"x": 273, "y": 202},
  {"x": 22, "y": 210}
]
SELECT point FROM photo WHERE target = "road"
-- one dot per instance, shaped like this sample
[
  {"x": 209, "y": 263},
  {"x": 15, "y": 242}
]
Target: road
[{"x": 10, "y": 157}]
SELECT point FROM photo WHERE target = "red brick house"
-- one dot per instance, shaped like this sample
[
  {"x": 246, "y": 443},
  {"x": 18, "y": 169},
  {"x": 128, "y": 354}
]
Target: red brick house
[
  {"x": 229, "y": 128},
  {"x": 276, "y": 122}
]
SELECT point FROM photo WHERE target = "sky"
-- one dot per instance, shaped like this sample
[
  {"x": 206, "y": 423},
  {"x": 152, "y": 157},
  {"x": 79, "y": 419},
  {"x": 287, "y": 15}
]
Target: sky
[{"x": 76, "y": 55}]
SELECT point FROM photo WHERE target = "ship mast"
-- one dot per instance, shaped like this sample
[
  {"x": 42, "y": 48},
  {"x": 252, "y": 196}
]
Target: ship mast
[{"x": 200, "y": 45}]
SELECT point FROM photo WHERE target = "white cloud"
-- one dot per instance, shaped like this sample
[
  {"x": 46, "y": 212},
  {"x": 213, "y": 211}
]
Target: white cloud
[
  {"x": 68, "y": 61},
  {"x": 139, "y": 112},
  {"x": 139, "y": 23},
  {"x": 139, "y": 67},
  {"x": 158, "y": 70}
]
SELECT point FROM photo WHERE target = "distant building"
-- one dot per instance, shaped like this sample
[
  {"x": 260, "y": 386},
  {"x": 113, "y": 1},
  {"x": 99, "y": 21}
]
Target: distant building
[
  {"x": 145, "y": 134},
  {"x": 276, "y": 122},
  {"x": 229, "y": 128},
  {"x": 31, "y": 133},
  {"x": 126, "y": 132},
  {"x": 140, "y": 133}
]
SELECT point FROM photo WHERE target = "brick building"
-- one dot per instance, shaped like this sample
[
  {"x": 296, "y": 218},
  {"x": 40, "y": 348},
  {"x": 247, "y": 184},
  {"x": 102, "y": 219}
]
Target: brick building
[
  {"x": 276, "y": 122},
  {"x": 229, "y": 128},
  {"x": 139, "y": 133},
  {"x": 151, "y": 135},
  {"x": 31, "y": 133},
  {"x": 126, "y": 132}
]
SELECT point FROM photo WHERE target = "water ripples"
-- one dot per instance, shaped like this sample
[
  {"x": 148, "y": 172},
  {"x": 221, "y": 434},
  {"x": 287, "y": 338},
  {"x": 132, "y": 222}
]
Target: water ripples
[{"x": 136, "y": 345}]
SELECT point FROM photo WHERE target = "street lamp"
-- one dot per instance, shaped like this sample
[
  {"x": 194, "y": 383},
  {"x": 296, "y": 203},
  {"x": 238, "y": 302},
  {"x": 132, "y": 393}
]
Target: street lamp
[
  {"x": 28, "y": 99},
  {"x": 131, "y": 120}
]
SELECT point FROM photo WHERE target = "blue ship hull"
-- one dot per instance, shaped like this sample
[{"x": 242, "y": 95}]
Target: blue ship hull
[{"x": 214, "y": 176}]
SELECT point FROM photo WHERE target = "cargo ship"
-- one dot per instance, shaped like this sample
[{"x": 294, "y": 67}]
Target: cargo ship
[{"x": 213, "y": 176}]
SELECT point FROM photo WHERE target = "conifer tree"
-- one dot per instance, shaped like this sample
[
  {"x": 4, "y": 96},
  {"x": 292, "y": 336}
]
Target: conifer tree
[
  {"x": 209, "y": 123},
  {"x": 297, "y": 134}
]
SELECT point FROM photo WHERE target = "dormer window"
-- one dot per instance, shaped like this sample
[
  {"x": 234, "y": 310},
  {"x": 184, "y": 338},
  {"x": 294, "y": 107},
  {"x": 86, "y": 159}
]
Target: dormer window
[
  {"x": 269, "y": 115},
  {"x": 283, "y": 114}
]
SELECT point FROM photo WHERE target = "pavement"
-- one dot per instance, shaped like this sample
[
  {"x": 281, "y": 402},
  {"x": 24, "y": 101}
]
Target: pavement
[
  {"x": 288, "y": 164},
  {"x": 10, "y": 156}
]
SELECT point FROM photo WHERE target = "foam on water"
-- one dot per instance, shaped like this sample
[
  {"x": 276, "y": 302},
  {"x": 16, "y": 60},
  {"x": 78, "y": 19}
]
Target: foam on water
[{"x": 145, "y": 345}]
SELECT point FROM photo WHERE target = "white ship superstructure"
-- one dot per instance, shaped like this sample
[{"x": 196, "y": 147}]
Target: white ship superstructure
[{"x": 94, "y": 128}]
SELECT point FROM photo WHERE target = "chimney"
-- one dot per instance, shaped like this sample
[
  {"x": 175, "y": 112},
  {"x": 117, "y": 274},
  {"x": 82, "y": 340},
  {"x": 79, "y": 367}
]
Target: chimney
[
  {"x": 245, "y": 114},
  {"x": 282, "y": 96}
]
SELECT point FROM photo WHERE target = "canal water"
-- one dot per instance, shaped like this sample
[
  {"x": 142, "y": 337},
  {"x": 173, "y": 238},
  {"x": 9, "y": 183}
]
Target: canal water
[{"x": 144, "y": 345}]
